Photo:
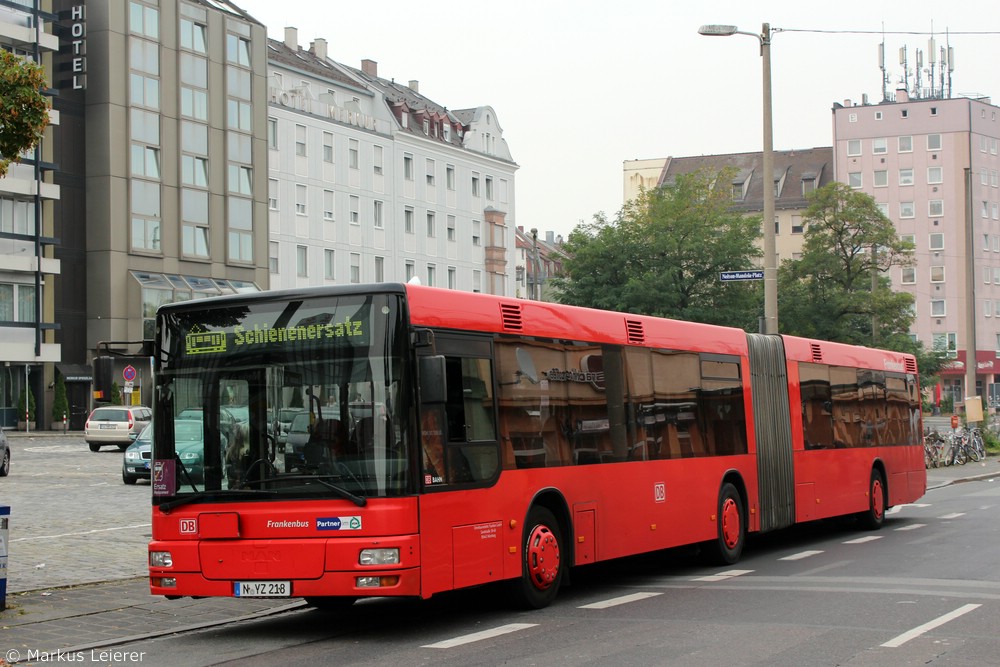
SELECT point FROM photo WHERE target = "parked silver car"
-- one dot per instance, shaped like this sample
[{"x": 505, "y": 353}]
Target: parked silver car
[{"x": 115, "y": 425}]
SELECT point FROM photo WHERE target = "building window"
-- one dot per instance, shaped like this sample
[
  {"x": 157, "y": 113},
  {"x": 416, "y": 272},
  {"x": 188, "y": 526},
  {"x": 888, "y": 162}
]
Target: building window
[
  {"x": 853, "y": 147},
  {"x": 906, "y": 177},
  {"x": 797, "y": 227},
  {"x": 145, "y": 161},
  {"x": 301, "y": 197},
  {"x": 854, "y": 179},
  {"x": 935, "y": 208},
  {"x": 883, "y": 208},
  {"x": 431, "y": 274},
  {"x": 938, "y": 308},
  {"x": 352, "y": 154},
  {"x": 452, "y": 278},
  {"x": 145, "y": 215},
  {"x": 880, "y": 179},
  {"x": 17, "y": 302},
  {"x": 430, "y": 224},
  {"x": 909, "y": 275},
  {"x": 935, "y": 241},
  {"x": 476, "y": 233},
  {"x": 430, "y": 171},
  {"x": 489, "y": 188},
  {"x": 272, "y": 194},
  {"x": 377, "y": 159},
  {"x": 328, "y": 147},
  {"x": 240, "y": 179},
  {"x": 449, "y": 172},
  {"x": 451, "y": 228},
  {"x": 946, "y": 342},
  {"x": 905, "y": 144},
  {"x": 272, "y": 133},
  {"x": 355, "y": 268},
  {"x": 328, "y": 265},
  {"x": 379, "y": 269},
  {"x": 477, "y": 281},
  {"x": 475, "y": 184},
  {"x": 272, "y": 256},
  {"x": 301, "y": 261},
  {"x": 934, "y": 174},
  {"x": 879, "y": 145},
  {"x": 240, "y": 230},
  {"x": 408, "y": 167},
  {"x": 408, "y": 220},
  {"x": 906, "y": 209},
  {"x": 328, "y": 204},
  {"x": 937, "y": 274},
  {"x": 238, "y": 115},
  {"x": 194, "y": 216},
  {"x": 377, "y": 214},
  {"x": 194, "y": 103},
  {"x": 237, "y": 50},
  {"x": 808, "y": 185},
  {"x": 144, "y": 91},
  {"x": 933, "y": 142},
  {"x": 410, "y": 271},
  {"x": 300, "y": 140},
  {"x": 143, "y": 20}
]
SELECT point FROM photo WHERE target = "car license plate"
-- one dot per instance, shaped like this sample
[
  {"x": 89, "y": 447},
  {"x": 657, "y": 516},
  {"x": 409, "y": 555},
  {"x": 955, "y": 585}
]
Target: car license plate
[
  {"x": 262, "y": 589},
  {"x": 109, "y": 426}
]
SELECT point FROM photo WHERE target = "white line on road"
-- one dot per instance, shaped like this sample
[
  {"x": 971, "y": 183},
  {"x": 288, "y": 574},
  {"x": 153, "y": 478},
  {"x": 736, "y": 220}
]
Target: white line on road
[
  {"x": 614, "y": 602},
  {"x": 862, "y": 540},
  {"x": 86, "y": 532},
  {"x": 953, "y": 515},
  {"x": 896, "y": 642},
  {"x": 722, "y": 576},
  {"x": 479, "y": 636},
  {"x": 912, "y": 526},
  {"x": 801, "y": 555}
]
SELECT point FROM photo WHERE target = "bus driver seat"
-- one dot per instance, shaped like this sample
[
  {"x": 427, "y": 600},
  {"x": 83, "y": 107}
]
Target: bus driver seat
[{"x": 326, "y": 444}]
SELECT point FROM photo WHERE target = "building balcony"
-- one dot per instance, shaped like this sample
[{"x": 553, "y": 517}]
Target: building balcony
[
  {"x": 17, "y": 345},
  {"x": 24, "y": 37}
]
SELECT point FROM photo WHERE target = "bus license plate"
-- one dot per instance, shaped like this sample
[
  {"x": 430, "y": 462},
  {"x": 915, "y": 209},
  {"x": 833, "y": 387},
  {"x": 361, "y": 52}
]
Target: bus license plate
[{"x": 262, "y": 589}]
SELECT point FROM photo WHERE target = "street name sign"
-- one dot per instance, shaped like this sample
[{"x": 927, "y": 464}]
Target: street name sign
[{"x": 726, "y": 276}]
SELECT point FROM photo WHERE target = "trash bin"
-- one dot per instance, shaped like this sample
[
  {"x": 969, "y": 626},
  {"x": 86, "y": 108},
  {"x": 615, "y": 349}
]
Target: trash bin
[{"x": 4, "y": 521}]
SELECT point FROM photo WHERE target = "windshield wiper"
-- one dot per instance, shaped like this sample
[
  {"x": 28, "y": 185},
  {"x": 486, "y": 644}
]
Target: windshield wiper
[
  {"x": 360, "y": 501},
  {"x": 206, "y": 496}
]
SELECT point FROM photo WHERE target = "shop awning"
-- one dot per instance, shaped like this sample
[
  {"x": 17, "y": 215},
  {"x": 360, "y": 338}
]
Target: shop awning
[{"x": 76, "y": 372}]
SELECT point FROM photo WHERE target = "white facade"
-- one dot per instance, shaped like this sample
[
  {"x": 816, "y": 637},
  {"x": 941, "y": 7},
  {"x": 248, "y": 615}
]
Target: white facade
[{"x": 355, "y": 197}]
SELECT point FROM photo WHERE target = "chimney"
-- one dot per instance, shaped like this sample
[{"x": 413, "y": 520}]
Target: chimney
[
  {"x": 414, "y": 85},
  {"x": 369, "y": 67},
  {"x": 902, "y": 95},
  {"x": 292, "y": 38},
  {"x": 318, "y": 48},
  {"x": 550, "y": 237}
]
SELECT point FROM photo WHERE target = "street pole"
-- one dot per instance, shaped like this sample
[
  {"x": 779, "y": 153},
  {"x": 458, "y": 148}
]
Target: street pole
[
  {"x": 770, "y": 254},
  {"x": 534, "y": 265},
  {"x": 767, "y": 222}
]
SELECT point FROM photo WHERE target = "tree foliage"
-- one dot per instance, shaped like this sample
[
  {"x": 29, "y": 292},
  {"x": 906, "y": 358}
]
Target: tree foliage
[
  {"x": 663, "y": 253},
  {"x": 838, "y": 289},
  {"x": 24, "y": 110}
]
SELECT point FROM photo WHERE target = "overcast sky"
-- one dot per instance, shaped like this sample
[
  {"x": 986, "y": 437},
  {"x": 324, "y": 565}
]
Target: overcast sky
[{"x": 580, "y": 86}]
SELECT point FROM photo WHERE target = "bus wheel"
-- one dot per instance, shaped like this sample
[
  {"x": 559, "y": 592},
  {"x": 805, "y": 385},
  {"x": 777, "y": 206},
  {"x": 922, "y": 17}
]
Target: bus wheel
[
  {"x": 541, "y": 561},
  {"x": 732, "y": 531},
  {"x": 873, "y": 518},
  {"x": 330, "y": 603}
]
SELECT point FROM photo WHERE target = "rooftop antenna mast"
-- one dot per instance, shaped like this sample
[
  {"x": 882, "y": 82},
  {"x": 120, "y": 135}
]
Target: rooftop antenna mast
[
  {"x": 932, "y": 57},
  {"x": 950, "y": 50},
  {"x": 920, "y": 65},
  {"x": 906, "y": 69},
  {"x": 881, "y": 66}
]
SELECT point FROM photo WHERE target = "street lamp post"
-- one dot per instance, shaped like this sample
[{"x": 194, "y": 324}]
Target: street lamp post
[
  {"x": 535, "y": 292},
  {"x": 770, "y": 255}
]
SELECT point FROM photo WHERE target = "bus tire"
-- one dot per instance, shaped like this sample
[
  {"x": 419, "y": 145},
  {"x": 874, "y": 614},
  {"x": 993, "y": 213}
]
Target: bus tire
[
  {"x": 874, "y": 516},
  {"x": 542, "y": 567},
  {"x": 727, "y": 547}
]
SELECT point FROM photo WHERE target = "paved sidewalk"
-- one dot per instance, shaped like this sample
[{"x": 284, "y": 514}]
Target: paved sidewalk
[{"x": 62, "y": 621}]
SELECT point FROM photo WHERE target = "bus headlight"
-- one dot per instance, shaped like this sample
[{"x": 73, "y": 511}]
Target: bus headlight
[
  {"x": 160, "y": 559},
  {"x": 379, "y": 557}
]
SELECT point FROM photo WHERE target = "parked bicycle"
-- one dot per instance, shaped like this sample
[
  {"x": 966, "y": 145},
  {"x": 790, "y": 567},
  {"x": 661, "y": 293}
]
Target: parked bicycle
[{"x": 934, "y": 449}]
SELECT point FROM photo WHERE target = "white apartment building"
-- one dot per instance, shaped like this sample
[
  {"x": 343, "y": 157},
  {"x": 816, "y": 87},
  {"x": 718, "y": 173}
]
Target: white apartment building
[
  {"x": 27, "y": 261},
  {"x": 912, "y": 154},
  {"x": 369, "y": 181}
]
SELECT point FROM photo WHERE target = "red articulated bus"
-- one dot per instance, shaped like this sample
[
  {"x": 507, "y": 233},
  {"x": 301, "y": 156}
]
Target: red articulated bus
[{"x": 399, "y": 440}]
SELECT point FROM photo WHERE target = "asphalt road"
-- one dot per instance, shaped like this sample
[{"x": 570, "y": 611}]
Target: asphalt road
[{"x": 72, "y": 519}]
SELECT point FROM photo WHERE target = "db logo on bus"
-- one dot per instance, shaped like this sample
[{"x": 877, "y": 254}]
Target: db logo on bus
[
  {"x": 188, "y": 526},
  {"x": 660, "y": 492}
]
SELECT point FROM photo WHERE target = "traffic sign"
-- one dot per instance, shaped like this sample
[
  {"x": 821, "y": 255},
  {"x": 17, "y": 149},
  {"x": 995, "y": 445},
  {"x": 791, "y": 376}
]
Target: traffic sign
[
  {"x": 129, "y": 373},
  {"x": 726, "y": 276}
]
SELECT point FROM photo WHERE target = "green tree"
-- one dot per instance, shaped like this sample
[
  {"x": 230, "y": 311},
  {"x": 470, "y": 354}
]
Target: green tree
[
  {"x": 838, "y": 289},
  {"x": 663, "y": 253},
  {"x": 24, "y": 110},
  {"x": 60, "y": 406},
  {"x": 31, "y": 406}
]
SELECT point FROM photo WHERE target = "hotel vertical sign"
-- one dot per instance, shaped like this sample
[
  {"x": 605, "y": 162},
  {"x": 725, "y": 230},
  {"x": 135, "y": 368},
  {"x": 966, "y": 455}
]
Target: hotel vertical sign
[{"x": 74, "y": 36}]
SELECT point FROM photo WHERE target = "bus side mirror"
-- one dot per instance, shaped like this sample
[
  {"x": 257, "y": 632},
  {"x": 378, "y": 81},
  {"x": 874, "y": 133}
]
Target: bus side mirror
[{"x": 433, "y": 380}]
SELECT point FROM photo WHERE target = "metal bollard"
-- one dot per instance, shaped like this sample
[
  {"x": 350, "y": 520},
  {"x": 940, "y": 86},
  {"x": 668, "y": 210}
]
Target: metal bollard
[
  {"x": 64, "y": 422},
  {"x": 4, "y": 521}
]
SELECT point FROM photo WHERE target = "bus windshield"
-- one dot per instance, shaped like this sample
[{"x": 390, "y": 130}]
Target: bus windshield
[{"x": 281, "y": 399}]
